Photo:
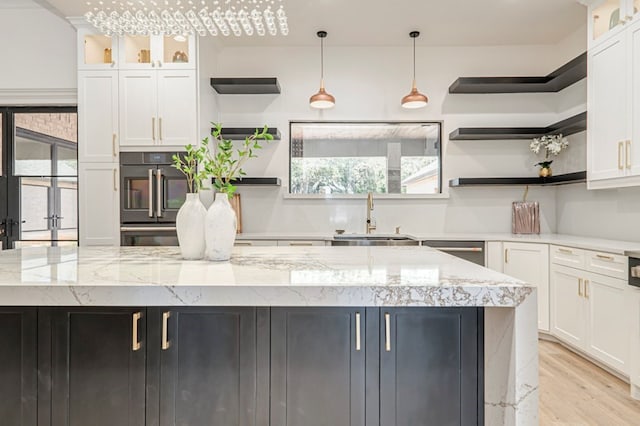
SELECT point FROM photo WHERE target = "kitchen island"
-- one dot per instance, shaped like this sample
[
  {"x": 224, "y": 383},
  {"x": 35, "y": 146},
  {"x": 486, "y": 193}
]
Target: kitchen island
[{"x": 278, "y": 335}]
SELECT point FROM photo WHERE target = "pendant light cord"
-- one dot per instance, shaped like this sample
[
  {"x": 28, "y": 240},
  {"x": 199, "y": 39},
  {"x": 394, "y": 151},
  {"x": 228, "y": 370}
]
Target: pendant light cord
[{"x": 321, "y": 58}]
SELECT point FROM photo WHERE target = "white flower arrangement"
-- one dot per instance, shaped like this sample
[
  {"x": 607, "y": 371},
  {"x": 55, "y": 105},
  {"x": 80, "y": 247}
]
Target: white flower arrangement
[{"x": 553, "y": 144}]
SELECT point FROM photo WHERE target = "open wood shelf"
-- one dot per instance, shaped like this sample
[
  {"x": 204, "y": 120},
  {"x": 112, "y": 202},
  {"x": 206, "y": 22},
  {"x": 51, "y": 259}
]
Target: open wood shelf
[
  {"x": 246, "y": 86},
  {"x": 565, "y": 179},
  {"x": 568, "y": 74},
  {"x": 575, "y": 124}
]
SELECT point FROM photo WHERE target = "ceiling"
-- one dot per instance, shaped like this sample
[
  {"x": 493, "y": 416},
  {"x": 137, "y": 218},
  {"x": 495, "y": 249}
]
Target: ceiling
[
  {"x": 18, "y": 4},
  {"x": 388, "y": 23}
]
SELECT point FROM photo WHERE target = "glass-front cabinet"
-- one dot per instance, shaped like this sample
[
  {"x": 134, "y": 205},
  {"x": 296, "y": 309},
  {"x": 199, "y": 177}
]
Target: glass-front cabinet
[
  {"x": 96, "y": 50},
  {"x": 145, "y": 52},
  {"x": 607, "y": 16}
]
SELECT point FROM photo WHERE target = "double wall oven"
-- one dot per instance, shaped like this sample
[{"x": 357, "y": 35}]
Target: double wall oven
[{"x": 152, "y": 192}]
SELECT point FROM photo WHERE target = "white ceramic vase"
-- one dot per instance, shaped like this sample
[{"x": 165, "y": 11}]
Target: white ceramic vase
[
  {"x": 190, "y": 228},
  {"x": 220, "y": 229}
]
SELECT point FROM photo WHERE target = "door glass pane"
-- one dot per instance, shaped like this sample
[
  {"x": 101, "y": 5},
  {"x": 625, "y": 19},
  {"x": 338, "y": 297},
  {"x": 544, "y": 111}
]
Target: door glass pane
[
  {"x": 34, "y": 209},
  {"x": 606, "y": 16},
  {"x": 137, "y": 49},
  {"x": 67, "y": 220},
  {"x": 32, "y": 158},
  {"x": 636, "y": 6},
  {"x": 67, "y": 161},
  {"x": 137, "y": 194},
  {"x": 176, "y": 190},
  {"x": 176, "y": 49}
]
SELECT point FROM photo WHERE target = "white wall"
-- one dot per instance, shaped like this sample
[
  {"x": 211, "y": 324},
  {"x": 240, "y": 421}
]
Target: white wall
[
  {"x": 368, "y": 84},
  {"x": 38, "y": 51}
]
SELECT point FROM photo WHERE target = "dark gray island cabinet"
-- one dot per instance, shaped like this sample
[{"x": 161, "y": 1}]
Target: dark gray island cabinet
[{"x": 244, "y": 366}]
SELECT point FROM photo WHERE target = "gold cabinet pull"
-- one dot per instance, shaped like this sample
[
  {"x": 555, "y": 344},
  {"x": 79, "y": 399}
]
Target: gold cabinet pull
[
  {"x": 586, "y": 288},
  {"x": 603, "y": 257},
  {"x": 243, "y": 243},
  {"x": 506, "y": 255},
  {"x": 115, "y": 179},
  {"x": 135, "y": 345},
  {"x": 387, "y": 332},
  {"x": 627, "y": 154},
  {"x": 113, "y": 145},
  {"x": 300, "y": 244},
  {"x": 160, "y": 128},
  {"x": 620, "y": 167},
  {"x": 153, "y": 129},
  {"x": 166, "y": 344},
  {"x": 357, "y": 331},
  {"x": 580, "y": 287},
  {"x": 565, "y": 251}
]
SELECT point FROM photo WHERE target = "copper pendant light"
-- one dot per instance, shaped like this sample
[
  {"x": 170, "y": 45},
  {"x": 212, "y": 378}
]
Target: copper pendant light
[
  {"x": 414, "y": 99},
  {"x": 322, "y": 99}
]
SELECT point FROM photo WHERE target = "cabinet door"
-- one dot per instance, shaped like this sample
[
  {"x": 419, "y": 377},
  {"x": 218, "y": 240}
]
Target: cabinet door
[
  {"x": 429, "y": 366},
  {"x": 568, "y": 311},
  {"x": 608, "y": 109},
  {"x": 18, "y": 367},
  {"x": 317, "y": 367},
  {"x": 97, "y": 116},
  {"x": 138, "y": 108},
  {"x": 633, "y": 145},
  {"x": 608, "y": 333},
  {"x": 99, "y": 217},
  {"x": 171, "y": 52},
  {"x": 530, "y": 263},
  {"x": 634, "y": 331},
  {"x": 208, "y": 359},
  {"x": 96, "y": 51},
  {"x": 177, "y": 99},
  {"x": 98, "y": 366}
]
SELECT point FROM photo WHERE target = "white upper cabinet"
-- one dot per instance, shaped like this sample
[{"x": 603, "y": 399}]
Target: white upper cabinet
[
  {"x": 607, "y": 103},
  {"x": 613, "y": 100},
  {"x": 608, "y": 17},
  {"x": 177, "y": 101},
  {"x": 158, "y": 108},
  {"x": 157, "y": 52},
  {"x": 96, "y": 51},
  {"x": 98, "y": 116}
]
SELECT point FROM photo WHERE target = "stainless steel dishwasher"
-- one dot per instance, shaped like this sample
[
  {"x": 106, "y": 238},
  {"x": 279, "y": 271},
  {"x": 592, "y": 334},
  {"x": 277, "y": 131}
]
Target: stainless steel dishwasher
[{"x": 473, "y": 251}]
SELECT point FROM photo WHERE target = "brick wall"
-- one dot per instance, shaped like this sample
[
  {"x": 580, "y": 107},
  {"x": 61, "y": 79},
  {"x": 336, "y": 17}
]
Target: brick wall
[{"x": 62, "y": 126}]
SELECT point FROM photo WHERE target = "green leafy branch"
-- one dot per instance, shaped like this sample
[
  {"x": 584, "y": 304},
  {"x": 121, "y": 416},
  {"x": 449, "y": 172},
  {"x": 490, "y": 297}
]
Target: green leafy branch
[
  {"x": 225, "y": 163},
  {"x": 188, "y": 165}
]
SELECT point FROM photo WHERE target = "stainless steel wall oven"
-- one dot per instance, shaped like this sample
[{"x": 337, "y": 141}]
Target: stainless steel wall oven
[{"x": 152, "y": 192}]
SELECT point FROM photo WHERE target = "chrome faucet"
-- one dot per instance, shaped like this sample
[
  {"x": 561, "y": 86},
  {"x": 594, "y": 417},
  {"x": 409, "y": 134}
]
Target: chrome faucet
[{"x": 370, "y": 222}]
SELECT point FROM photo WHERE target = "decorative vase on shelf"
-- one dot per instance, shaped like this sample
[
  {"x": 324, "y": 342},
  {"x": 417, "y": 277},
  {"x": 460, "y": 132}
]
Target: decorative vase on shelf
[
  {"x": 190, "y": 227},
  {"x": 545, "y": 168},
  {"x": 220, "y": 229}
]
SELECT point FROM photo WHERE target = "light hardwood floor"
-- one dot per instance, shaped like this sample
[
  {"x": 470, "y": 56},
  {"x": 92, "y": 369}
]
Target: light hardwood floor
[{"x": 573, "y": 391}]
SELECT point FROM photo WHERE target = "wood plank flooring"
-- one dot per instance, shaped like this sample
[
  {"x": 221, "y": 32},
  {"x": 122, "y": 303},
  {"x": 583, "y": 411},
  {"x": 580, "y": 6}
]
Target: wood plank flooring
[{"x": 573, "y": 391}]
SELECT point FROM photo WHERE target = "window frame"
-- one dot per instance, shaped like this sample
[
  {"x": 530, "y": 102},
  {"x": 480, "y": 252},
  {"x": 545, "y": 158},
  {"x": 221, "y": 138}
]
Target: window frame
[{"x": 439, "y": 195}]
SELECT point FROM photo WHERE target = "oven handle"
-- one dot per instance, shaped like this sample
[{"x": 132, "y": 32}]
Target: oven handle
[
  {"x": 150, "y": 192},
  {"x": 459, "y": 249},
  {"x": 159, "y": 193},
  {"x": 147, "y": 228}
]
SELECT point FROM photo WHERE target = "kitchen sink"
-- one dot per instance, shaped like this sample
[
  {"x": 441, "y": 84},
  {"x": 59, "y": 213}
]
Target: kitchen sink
[{"x": 373, "y": 240}]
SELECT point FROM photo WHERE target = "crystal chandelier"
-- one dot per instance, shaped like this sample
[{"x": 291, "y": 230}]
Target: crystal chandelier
[{"x": 188, "y": 17}]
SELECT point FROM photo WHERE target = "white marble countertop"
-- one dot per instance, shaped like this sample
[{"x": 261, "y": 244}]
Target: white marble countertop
[
  {"x": 587, "y": 243},
  {"x": 255, "y": 276}
]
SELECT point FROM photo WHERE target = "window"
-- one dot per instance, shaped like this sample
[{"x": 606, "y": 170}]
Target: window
[{"x": 359, "y": 157}]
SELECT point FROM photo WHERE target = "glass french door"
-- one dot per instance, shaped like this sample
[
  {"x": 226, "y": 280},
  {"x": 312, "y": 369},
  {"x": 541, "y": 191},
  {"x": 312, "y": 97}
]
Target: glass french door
[{"x": 41, "y": 169}]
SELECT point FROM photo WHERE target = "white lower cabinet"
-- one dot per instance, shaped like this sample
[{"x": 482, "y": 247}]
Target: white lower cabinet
[
  {"x": 99, "y": 215},
  {"x": 568, "y": 310},
  {"x": 588, "y": 312},
  {"x": 529, "y": 262},
  {"x": 633, "y": 303},
  {"x": 607, "y": 330}
]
